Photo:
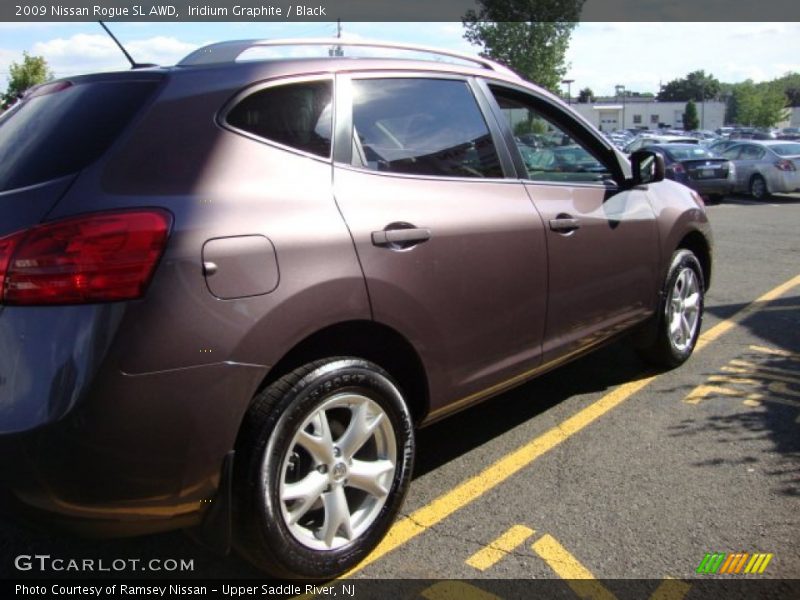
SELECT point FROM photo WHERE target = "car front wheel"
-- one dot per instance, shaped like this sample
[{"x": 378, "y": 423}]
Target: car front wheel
[
  {"x": 323, "y": 463},
  {"x": 680, "y": 314}
]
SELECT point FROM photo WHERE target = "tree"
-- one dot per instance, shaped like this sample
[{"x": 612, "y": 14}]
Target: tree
[
  {"x": 695, "y": 86},
  {"x": 32, "y": 71},
  {"x": 690, "y": 120},
  {"x": 759, "y": 105},
  {"x": 586, "y": 95},
  {"x": 529, "y": 36},
  {"x": 789, "y": 84}
]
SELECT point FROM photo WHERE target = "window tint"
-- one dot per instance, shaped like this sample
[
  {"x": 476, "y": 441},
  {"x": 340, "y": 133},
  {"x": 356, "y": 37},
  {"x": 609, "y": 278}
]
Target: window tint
[
  {"x": 56, "y": 133},
  {"x": 688, "y": 153},
  {"x": 731, "y": 153},
  {"x": 422, "y": 127},
  {"x": 548, "y": 152},
  {"x": 297, "y": 115},
  {"x": 751, "y": 153},
  {"x": 786, "y": 149}
]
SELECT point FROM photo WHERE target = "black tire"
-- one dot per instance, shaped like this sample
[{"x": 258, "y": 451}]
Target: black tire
[
  {"x": 670, "y": 348},
  {"x": 271, "y": 457},
  {"x": 758, "y": 187}
]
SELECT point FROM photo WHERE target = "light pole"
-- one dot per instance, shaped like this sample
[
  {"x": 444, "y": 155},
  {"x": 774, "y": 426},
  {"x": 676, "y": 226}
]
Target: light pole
[
  {"x": 568, "y": 83},
  {"x": 619, "y": 88}
]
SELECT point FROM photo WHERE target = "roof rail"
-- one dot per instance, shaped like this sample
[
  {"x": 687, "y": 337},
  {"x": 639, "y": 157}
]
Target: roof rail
[{"x": 224, "y": 52}]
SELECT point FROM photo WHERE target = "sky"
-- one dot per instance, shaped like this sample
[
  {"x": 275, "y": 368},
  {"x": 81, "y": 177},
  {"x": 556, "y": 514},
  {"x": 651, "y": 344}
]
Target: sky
[{"x": 639, "y": 56}]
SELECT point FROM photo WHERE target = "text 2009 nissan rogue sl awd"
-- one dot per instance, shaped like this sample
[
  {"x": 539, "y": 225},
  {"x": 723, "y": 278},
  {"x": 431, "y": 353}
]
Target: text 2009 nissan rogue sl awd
[{"x": 232, "y": 289}]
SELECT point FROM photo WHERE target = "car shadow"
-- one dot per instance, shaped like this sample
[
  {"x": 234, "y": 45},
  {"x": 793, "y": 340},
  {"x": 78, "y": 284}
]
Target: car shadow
[{"x": 763, "y": 382}]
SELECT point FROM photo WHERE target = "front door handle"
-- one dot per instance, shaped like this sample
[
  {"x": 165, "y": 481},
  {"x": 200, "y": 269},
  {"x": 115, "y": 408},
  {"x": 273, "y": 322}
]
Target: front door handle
[
  {"x": 401, "y": 238},
  {"x": 564, "y": 224}
]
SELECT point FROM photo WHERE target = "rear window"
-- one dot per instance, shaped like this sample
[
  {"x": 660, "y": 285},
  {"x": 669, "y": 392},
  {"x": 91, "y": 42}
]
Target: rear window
[
  {"x": 689, "y": 153},
  {"x": 786, "y": 149},
  {"x": 58, "y": 133},
  {"x": 297, "y": 115}
]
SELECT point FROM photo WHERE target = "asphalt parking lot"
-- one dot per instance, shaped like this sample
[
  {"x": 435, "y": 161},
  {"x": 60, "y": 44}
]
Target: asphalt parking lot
[{"x": 602, "y": 469}]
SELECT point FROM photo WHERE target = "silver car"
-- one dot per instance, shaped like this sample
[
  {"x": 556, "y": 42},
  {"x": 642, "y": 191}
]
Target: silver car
[{"x": 765, "y": 167}]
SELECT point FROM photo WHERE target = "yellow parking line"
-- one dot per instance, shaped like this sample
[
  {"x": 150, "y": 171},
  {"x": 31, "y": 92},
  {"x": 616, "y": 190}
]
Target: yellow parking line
[
  {"x": 463, "y": 494},
  {"x": 456, "y": 590},
  {"x": 725, "y": 326},
  {"x": 566, "y": 566},
  {"x": 671, "y": 589},
  {"x": 505, "y": 544},
  {"x": 776, "y": 352}
]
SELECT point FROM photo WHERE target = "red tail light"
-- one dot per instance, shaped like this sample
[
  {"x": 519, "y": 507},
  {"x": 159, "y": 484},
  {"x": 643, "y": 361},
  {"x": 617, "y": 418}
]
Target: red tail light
[
  {"x": 94, "y": 258},
  {"x": 785, "y": 165},
  {"x": 678, "y": 168}
]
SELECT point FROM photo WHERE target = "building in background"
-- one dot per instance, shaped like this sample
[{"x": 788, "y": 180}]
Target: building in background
[{"x": 638, "y": 113}]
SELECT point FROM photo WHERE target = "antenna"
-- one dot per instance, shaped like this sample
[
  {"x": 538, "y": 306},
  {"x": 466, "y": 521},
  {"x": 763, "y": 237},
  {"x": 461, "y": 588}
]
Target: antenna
[
  {"x": 134, "y": 64},
  {"x": 337, "y": 51}
]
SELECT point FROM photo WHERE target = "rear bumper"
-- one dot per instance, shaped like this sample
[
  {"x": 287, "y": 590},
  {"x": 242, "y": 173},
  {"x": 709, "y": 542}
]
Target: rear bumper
[
  {"x": 84, "y": 442},
  {"x": 711, "y": 186}
]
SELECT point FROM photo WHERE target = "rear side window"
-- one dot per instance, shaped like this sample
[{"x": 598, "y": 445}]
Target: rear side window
[
  {"x": 53, "y": 134},
  {"x": 421, "y": 127},
  {"x": 297, "y": 115}
]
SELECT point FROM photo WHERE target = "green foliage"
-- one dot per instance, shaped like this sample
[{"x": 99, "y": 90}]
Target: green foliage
[
  {"x": 695, "y": 86},
  {"x": 529, "y": 36},
  {"x": 32, "y": 71},
  {"x": 532, "y": 125},
  {"x": 789, "y": 84},
  {"x": 759, "y": 105},
  {"x": 690, "y": 120},
  {"x": 586, "y": 95}
]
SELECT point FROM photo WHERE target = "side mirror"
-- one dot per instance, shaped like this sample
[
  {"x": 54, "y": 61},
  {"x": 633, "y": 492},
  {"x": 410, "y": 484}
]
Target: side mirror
[{"x": 647, "y": 167}]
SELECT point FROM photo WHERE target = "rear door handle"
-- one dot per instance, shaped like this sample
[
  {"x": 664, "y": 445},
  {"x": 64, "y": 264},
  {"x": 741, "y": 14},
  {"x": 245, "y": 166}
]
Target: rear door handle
[
  {"x": 402, "y": 238},
  {"x": 564, "y": 224}
]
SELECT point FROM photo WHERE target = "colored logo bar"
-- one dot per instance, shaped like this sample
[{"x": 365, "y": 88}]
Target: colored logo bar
[{"x": 721, "y": 563}]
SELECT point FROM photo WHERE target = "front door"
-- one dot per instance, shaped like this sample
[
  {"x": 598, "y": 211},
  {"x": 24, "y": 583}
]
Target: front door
[{"x": 602, "y": 243}]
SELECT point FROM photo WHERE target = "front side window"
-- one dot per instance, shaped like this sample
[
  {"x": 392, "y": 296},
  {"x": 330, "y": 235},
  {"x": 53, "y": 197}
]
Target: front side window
[
  {"x": 421, "y": 127},
  {"x": 549, "y": 152},
  {"x": 297, "y": 115}
]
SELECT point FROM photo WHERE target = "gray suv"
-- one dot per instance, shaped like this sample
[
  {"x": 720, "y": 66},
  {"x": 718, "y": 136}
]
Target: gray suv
[{"x": 230, "y": 290}]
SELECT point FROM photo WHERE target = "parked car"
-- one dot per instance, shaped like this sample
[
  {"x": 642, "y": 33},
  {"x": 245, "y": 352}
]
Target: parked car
[
  {"x": 697, "y": 167},
  {"x": 705, "y": 137},
  {"x": 763, "y": 168},
  {"x": 569, "y": 163},
  {"x": 720, "y": 146},
  {"x": 789, "y": 133},
  {"x": 648, "y": 140},
  {"x": 230, "y": 290}
]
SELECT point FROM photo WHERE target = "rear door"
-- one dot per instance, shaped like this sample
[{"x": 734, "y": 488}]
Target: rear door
[
  {"x": 602, "y": 242},
  {"x": 453, "y": 252},
  {"x": 746, "y": 158}
]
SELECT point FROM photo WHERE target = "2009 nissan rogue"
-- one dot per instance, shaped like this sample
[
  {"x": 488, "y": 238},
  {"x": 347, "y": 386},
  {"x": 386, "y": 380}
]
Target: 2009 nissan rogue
[{"x": 231, "y": 289}]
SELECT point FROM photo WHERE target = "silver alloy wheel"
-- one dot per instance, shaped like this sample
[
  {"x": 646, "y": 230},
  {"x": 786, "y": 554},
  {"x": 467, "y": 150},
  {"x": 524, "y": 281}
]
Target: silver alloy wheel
[
  {"x": 337, "y": 472},
  {"x": 683, "y": 309}
]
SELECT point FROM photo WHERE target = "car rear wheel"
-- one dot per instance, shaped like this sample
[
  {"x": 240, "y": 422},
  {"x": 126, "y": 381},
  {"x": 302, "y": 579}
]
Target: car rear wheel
[
  {"x": 681, "y": 312},
  {"x": 758, "y": 187},
  {"x": 323, "y": 462}
]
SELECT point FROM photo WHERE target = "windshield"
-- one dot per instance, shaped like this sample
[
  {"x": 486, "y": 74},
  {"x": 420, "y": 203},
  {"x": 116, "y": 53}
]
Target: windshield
[{"x": 53, "y": 134}]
